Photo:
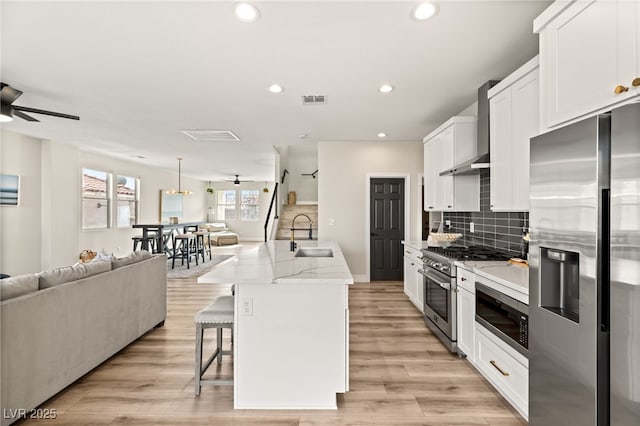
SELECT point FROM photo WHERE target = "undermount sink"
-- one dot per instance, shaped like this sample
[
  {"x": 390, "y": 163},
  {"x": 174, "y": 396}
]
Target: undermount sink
[{"x": 314, "y": 252}]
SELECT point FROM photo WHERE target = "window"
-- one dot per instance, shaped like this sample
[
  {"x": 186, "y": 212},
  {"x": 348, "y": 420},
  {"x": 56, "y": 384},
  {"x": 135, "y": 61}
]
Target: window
[
  {"x": 96, "y": 199},
  {"x": 126, "y": 201},
  {"x": 230, "y": 201},
  {"x": 249, "y": 203},
  {"x": 226, "y": 204}
]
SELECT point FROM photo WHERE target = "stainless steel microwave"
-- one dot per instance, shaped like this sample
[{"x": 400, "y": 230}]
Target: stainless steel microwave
[{"x": 504, "y": 316}]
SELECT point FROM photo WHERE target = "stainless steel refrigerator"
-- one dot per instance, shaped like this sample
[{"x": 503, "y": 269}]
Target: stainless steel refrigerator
[{"x": 584, "y": 255}]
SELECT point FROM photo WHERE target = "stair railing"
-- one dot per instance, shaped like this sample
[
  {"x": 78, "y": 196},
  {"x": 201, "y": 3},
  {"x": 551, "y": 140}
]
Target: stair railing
[{"x": 274, "y": 199}]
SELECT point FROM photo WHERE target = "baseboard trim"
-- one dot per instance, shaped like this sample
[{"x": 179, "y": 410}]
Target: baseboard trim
[{"x": 359, "y": 278}]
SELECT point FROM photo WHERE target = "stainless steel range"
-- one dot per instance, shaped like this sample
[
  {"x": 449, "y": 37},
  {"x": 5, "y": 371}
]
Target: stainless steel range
[{"x": 439, "y": 281}]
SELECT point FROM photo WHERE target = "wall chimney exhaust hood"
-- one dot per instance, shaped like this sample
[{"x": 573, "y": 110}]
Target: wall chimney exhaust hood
[{"x": 481, "y": 161}]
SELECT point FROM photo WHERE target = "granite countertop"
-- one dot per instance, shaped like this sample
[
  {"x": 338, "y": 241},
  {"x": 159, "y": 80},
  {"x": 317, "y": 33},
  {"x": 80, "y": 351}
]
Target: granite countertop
[
  {"x": 273, "y": 263},
  {"x": 507, "y": 278},
  {"x": 418, "y": 245}
]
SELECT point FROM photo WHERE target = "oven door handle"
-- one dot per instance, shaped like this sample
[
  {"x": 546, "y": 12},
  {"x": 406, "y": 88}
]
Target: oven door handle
[{"x": 444, "y": 285}]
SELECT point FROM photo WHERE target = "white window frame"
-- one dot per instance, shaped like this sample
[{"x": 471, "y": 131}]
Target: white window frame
[
  {"x": 220, "y": 208},
  {"x": 136, "y": 200},
  {"x": 107, "y": 197},
  {"x": 257, "y": 205}
]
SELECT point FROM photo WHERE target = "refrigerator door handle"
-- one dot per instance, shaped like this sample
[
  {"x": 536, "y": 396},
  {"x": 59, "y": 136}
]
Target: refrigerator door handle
[{"x": 604, "y": 269}]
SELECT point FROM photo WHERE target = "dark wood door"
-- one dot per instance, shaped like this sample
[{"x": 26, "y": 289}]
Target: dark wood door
[{"x": 387, "y": 228}]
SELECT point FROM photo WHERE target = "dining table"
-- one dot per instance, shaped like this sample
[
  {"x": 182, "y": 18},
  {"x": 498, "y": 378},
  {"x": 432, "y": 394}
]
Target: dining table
[{"x": 157, "y": 229}]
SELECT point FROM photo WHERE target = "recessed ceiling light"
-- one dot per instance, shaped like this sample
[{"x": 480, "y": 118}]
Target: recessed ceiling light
[
  {"x": 302, "y": 135},
  {"x": 275, "y": 88},
  {"x": 386, "y": 88},
  {"x": 246, "y": 12},
  {"x": 424, "y": 11},
  {"x": 382, "y": 135}
]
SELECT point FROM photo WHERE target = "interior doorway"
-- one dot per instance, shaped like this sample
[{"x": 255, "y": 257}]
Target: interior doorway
[{"x": 386, "y": 228}]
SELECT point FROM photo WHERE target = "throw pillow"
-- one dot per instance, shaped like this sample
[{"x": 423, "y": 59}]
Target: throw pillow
[
  {"x": 18, "y": 286},
  {"x": 103, "y": 255},
  {"x": 218, "y": 226}
]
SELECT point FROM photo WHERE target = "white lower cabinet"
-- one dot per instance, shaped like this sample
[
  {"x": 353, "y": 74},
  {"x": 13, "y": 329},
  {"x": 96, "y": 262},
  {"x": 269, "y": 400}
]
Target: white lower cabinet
[
  {"x": 466, "y": 300},
  {"x": 412, "y": 279},
  {"x": 505, "y": 368}
]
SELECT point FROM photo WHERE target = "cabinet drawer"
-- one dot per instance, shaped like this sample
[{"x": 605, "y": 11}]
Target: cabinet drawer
[
  {"x": 509, "y": 376},
  {"x": 466, "y": 279},
  {"x": 413, "y": 254}
]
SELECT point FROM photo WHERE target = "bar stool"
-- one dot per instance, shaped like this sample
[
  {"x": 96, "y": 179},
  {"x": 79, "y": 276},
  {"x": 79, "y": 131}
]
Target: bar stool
[
  {"x": 167, "y": 240},
  {"x": 203, "y": 243},
  {"x": 139, "y": 240},
  {"x": 218, "y": 315},
  {"x": 182, "y": 244}
]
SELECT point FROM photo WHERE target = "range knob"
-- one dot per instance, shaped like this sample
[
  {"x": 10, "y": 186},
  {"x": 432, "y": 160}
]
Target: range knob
[{"x": 445, "y": 268}]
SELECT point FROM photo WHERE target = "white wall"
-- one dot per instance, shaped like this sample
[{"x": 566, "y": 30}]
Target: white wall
[
  {"x": 44, "y": 231},
  {"x": 303, "y": 159},
  {"x": 342, "y": 191},
  {"x": 248, "y": 231},
  {"x": 20, "y": 226},
  {"x": 283, "y": 187},
  {"x": 61, "y": 187},
  {"x": 470, "y": 111}
]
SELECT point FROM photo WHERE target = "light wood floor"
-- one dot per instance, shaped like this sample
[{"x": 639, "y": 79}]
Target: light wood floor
[{"x": 400, "y": 375}]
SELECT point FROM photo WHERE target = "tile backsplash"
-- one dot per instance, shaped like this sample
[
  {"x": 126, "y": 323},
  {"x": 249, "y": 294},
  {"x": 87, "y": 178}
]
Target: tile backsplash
[{"x": 500, "y": 230}]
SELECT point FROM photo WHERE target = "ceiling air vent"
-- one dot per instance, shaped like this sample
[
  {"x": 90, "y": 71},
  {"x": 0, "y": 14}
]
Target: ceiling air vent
[
  {"x": 212, "y": 135},
  {"x": 314, "y": 99}
]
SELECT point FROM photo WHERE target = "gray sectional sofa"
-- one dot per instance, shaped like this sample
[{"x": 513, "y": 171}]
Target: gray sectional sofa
[{"x": 58, "y": 325}]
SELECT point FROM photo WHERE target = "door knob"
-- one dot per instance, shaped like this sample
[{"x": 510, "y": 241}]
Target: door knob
[
  {"x": 620, "y": 89},
  {"x": 636, "y": 82}
]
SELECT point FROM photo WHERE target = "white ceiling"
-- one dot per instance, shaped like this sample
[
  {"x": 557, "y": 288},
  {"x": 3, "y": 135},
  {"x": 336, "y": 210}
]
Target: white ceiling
[{"x": 139, "y": 72}]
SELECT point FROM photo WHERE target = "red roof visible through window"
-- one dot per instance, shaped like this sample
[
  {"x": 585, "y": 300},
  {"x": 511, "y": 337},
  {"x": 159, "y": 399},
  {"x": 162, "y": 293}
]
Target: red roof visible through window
[{"x": 94, "y": 184}]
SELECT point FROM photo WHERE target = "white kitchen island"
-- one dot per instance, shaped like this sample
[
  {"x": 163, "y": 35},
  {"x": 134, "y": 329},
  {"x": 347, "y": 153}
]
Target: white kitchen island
[{"x": 291, "y": 330}]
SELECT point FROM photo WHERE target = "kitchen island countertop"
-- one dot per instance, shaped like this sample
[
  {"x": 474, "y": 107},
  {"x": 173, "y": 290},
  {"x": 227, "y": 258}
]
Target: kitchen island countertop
[{"x": 274, "y": 263}]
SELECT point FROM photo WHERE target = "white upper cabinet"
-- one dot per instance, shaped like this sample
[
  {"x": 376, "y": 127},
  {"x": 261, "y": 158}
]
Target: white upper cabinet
[
  {"x": 452, "y": 143},
  {"x": 514, "y": 119},
  {"x": 589, "y": 57}
]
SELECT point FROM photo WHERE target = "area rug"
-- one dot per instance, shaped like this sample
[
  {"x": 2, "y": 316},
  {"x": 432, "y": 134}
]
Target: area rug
[{"x": 181, "y": 271}]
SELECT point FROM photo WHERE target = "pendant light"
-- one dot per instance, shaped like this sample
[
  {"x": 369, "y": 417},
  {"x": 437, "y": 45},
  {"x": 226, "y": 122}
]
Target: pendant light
[{"x": 179, "y": 191}]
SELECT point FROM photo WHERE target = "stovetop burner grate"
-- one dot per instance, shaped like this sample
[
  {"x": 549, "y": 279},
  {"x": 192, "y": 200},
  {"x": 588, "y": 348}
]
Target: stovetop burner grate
[{"x": 470, "y": 253}]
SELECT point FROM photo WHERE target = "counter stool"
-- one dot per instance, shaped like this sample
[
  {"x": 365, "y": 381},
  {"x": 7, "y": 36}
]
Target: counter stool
[
  {"x": 218, "y": 315},
  {"x": 139, "y": 240},
  {"x": 182, "y": 244},
  {"x": 203, "y": 243},
  {"x": 167, "y": 241}
]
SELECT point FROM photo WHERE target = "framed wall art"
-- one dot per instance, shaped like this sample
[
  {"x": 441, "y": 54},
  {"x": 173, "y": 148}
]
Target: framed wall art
[{"x": 9, "y": 190}]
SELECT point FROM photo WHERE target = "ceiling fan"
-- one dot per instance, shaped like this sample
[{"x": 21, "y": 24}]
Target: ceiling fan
[
  {"x": 237, "y": 180},
  {"x": 8, "y": 95}
]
